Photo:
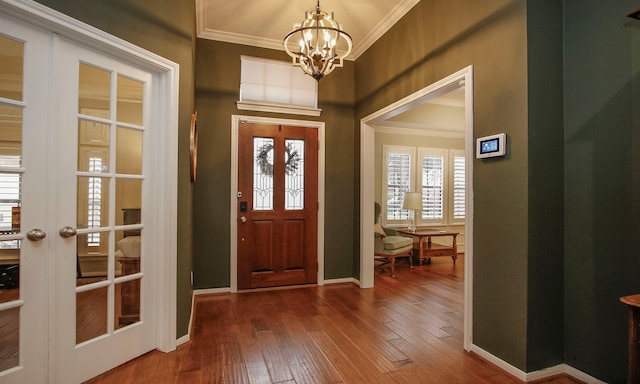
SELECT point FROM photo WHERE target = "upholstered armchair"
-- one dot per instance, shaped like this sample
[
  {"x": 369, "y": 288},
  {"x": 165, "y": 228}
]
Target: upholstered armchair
[{"x": 388, "y": 245}]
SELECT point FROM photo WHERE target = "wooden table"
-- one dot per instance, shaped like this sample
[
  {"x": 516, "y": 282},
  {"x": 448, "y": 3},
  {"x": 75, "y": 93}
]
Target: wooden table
[
  {"x": 633, "y": 303},
  {"x": 428, "y": 249}
]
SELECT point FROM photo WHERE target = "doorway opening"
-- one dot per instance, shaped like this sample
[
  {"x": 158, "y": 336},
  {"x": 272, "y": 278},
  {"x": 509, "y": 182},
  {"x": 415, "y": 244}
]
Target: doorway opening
[{"x": 463, "y": 80}]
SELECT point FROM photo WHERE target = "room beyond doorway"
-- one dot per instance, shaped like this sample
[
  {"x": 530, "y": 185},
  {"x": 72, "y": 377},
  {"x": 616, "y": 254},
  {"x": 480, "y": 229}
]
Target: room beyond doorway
[{"x": 464, "y": 79}]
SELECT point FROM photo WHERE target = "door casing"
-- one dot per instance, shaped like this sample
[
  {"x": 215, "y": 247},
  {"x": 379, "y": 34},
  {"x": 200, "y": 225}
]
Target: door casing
[{"x": 235, "y": 123}]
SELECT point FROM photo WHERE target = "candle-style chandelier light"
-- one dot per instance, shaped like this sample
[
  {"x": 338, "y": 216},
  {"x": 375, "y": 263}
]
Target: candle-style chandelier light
[{"x": 318, "y": 44}]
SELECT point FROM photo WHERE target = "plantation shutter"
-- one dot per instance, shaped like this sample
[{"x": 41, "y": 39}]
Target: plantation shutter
[
  {"x": 398, "y": 182},
  {"x": 458, "y": 187},
  {"x": 432, "y": 187}
]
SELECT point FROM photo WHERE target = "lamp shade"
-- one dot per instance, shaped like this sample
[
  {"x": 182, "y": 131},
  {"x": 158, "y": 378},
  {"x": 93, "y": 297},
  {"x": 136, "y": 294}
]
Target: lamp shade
[{"x": 412, "y": 200}]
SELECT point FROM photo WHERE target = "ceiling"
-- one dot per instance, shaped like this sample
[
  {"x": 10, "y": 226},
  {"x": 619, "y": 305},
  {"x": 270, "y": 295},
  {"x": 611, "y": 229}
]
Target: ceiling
[{"x": 264, "y": 23}]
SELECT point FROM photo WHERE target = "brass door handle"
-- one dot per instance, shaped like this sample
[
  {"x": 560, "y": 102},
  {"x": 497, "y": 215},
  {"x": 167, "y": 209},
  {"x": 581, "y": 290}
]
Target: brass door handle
[
  {"x": 67, "y": 231},
  {"x": 36, "y": 234}
]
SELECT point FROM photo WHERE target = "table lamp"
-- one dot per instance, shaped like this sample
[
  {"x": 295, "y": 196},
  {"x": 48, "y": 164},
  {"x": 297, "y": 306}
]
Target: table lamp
[{"x": 413, "y": 202}]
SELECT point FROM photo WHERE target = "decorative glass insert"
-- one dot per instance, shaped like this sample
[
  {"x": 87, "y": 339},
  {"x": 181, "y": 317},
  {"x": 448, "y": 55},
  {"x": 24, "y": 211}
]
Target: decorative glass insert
[
  {"x": 294, "y": 175},
  {"x": 263, "y": 154},
  {"x": 398, "y": 182},
  {"x": 432, "y": 187}
]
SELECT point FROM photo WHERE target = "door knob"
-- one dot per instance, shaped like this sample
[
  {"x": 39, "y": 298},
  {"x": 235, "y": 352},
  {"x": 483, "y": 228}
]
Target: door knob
[
  {"x": 36, "y": 234},
  {"x": 243, "y": 219},
  {"x": 67, "y": 231}
]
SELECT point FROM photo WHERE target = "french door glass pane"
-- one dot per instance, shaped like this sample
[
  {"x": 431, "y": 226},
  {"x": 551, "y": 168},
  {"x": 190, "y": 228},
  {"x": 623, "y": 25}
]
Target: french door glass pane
[
  {"x": 128, "y": 151},
  {"x": 10, "y": 136},
  {"x": 127, "y": 252},
  {"x": 92, "y": 259},
  {"x": 128, "y": 195},
  {"x": 94, "y": 92},
  {"x": 129, "y": 101},
  {"x": 91, "y": 314},
  {"x": 11, "y": 68},
  {"x": 294, "y": 175},
  {"x": 127, "y": 301},
  {"x": 9, "y": 338},
  {"x": 93, "y": 202},
  {"x": 263, "y": 174}
]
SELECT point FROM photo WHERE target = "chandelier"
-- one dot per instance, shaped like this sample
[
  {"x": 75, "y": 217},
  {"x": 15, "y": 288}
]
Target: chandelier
[{"x": 318, "y": 44}]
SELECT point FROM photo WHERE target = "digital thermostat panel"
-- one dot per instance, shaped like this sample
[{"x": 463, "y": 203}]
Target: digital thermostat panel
[{"x": 491, "y": 146}]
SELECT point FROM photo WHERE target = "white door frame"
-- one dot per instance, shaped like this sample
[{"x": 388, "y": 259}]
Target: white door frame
[
  {"x": 233, "y": 223},
  {"x": 367, "y": 180},
  {"x": 165, "y": 96}
]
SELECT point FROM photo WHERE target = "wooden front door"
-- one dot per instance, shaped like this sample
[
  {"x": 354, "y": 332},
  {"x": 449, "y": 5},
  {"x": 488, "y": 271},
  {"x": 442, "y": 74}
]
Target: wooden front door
[{"x": 277, "y": 205}]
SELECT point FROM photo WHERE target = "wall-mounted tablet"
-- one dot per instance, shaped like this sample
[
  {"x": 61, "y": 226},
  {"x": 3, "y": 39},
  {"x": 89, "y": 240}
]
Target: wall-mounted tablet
[{"x": 491, "y": 146}]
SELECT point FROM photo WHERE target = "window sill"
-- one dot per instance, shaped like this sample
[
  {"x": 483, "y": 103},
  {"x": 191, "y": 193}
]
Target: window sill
[{"x": 260, "y": 106}]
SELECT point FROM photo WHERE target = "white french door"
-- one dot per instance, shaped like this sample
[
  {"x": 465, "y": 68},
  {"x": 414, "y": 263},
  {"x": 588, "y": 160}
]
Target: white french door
[
  {"x": 78, "y": 165},
  {"x": 23, "y": 200},
  {"x": 105, "y": 274}
]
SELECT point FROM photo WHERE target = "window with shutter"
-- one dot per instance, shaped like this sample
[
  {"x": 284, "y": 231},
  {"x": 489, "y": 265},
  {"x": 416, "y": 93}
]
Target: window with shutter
[
  {"x": 398, "y": 180},
  {"x": 432, "y": 163}
]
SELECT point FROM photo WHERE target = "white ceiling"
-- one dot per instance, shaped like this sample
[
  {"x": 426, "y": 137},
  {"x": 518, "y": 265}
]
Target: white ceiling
[{"x": 264, "y": 23}]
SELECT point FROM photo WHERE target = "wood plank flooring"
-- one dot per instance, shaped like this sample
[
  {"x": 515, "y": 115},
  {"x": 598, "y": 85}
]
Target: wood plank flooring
[{"x": 407, "y": 329}]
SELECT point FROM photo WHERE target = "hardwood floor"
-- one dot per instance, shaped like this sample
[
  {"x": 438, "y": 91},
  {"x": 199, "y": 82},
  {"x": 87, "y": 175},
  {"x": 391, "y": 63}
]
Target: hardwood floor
[{"x": 407, "y": 329}]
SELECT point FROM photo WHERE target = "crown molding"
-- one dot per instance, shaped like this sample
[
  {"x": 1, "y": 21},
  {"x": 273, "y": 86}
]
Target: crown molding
[
  {"x": 393, "y": 17},
  {"x": 358, "y": 48}
]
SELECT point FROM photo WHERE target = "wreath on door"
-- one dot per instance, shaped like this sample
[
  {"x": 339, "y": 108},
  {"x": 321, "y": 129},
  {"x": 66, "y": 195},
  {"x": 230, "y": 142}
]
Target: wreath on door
[{"x": 291, "y": 164}]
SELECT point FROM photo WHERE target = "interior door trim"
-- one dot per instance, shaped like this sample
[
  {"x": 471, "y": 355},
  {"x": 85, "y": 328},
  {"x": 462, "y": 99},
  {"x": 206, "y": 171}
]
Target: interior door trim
[
  {"x": 165, "y": 121},
  {"x": 235, "y": 123}
]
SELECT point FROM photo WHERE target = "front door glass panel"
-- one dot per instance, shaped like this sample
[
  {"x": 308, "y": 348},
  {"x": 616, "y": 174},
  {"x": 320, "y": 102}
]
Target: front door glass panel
[
  {"x": 294, "y": 174},
  {"x": 263, "y": 174}
]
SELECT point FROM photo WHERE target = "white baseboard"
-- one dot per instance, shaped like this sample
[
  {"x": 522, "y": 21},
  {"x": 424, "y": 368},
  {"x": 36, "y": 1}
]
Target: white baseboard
[
  {"x": 535, "y": 375},
  {"x": 183, "y": 339},
  {"x": 211, "y": 291},
  {"x": 342, "y": 281}
]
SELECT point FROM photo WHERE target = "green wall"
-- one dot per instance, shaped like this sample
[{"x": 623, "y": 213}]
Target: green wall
[
  {"x": 166, "y": 28},
  {"x": 217, "y": 91},
  {"x": 546, "y": 185},
  {"x": 602, "y": 167},
  {"x": 435, "y": 39}
]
